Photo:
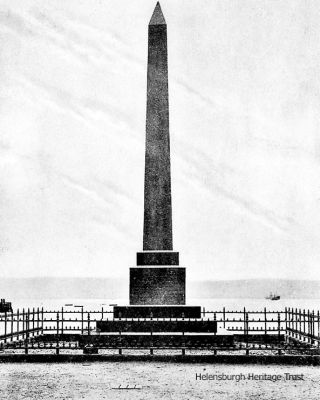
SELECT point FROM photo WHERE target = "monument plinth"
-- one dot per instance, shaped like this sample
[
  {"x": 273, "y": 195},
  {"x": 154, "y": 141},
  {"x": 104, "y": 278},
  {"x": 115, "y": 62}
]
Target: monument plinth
[{"x": 157, "y": 283}]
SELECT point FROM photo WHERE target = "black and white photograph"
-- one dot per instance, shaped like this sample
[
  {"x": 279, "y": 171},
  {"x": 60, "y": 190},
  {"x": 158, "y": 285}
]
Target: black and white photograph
[{"x": 160, "y": 199}]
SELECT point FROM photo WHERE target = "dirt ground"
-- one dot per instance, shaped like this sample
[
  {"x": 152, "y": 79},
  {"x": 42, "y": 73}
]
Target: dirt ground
[{"x": 101, "y": 380}]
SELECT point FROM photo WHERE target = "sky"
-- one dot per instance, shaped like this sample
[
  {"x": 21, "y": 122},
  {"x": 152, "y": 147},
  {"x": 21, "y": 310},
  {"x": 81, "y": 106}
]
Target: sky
[{"x": 244, "y": 94}]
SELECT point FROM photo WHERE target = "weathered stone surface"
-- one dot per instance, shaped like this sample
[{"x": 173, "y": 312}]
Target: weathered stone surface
[
  {"x": 156, "y": 286},
  {"x": 158, "y": 341},
  {"x": 158, "y": 258},
  {"x": 157, "y": 232},
  {"x": 157, "y": 280},
  {"x": 206, "y": 326},
  {"x": 157, "y": 311}
]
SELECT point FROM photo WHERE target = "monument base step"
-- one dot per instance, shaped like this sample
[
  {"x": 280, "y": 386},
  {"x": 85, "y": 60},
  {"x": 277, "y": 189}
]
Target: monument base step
[
  {"x": 157, "y": 325},
  {"x": 163, "y": 258},
  {"x": 157, "y": 311}
]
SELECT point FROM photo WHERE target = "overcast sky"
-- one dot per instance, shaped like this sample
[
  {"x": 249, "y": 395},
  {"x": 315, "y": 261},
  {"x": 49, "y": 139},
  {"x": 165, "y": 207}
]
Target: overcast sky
[{"x": 244, "y": 93}]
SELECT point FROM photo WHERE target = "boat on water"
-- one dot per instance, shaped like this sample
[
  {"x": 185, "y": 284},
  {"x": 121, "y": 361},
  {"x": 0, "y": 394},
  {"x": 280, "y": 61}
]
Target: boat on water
[
  {"x": 5, "y": 306},
  {"x": 273, "y": 296}
]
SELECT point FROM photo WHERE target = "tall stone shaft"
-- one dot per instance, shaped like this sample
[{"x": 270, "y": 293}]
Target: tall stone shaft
[
  {"x": 157, "y": 229},
  {"x": 157, "y": 279}
]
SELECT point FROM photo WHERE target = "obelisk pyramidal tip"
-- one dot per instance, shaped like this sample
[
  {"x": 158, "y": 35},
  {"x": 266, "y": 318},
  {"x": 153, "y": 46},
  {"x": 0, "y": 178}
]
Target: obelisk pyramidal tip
[{"x": 157, "y": 16}]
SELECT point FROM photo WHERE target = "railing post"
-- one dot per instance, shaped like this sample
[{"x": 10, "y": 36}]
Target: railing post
[
  {"x": 279, "y": 334},
  {"x": 244, "y": 321},
  {"x": 5, "y": 327},
  {"x": 33, "y": 321},
  {"x": 88, "y": 323},
  {"x": 312, "y": 327},
  {"x": 28, "y": 328},
  {"x": 308, "y": 316},
  {"x": 38, "y": 320},
  {"x": 265, "y": 321},
  {"x": 304, "y": 323},
  {"x": 286, "y": 324},
  {"x": 57, "y": 323},
  {"x": 42, "y": 320},
  {"x": 292, "y": 321},
  {"x": 12, "y": 326},
  {"x": 314, "y": 324},
  {"x": 224, "y": 317},
  {"x": 32, "y": 332},
  {"x": 318, "y": 317},
  {"x": 62, "y": 321},
  {"x": 23, "y": 323},
  {"x": 102, "y": 312},
  {"x": 82, "y": 320},
  {"x": 247, "y": 326},
  {"x": 246, "y": 318},
  {"x": 57, "y": 345},
  {"x": 26, "y": 350},
  {"x": 287, "y": 317},
  {"x": 18, "y": 323},
  {"x": 300, "y": 322},
  {"x": 279, "y": 329}
]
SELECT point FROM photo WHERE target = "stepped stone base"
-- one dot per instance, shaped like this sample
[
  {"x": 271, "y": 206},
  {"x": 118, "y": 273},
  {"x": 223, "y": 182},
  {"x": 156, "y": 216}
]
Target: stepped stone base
[
  {"x": 196, "y": 342},
  {"x": 154, "y": 325},
  {"x": 157, "y": 311}
]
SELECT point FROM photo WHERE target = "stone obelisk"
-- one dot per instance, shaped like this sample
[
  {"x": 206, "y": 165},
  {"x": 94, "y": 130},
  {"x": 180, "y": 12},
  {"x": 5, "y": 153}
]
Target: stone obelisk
[
  {"x": 157, "y": 279},
  {"x": 157, "y": 230},
  {"x": 157, "y": 283}
]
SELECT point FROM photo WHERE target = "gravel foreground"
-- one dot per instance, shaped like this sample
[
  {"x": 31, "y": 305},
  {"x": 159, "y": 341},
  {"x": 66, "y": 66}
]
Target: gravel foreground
[{"x": 158, "y": 381}]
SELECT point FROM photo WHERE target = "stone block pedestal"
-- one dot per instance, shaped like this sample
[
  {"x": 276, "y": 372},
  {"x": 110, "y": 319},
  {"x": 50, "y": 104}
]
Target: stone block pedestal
[{"x": 157, "y": 286}]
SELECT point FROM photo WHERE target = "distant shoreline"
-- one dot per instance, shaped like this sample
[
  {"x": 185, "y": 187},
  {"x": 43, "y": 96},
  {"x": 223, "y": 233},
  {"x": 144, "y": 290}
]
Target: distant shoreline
[{"x": 95, "y": 288}]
